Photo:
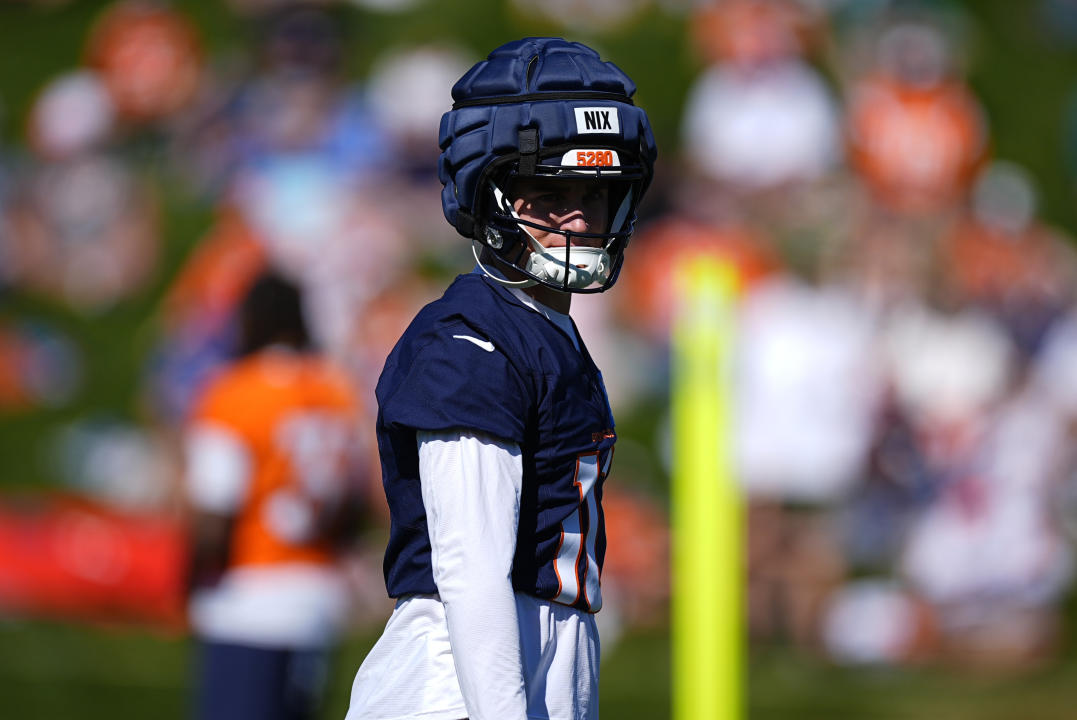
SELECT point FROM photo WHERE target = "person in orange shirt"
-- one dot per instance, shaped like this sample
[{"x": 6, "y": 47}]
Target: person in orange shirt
[
  {"x": 917, "y": 133},
  {"x": 273, "y": 492}
]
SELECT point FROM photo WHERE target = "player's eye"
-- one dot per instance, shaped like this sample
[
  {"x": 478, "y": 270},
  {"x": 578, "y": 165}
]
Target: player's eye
[
  {"x": 598, "y": 195},
  {"x": 550, "y": 199}
]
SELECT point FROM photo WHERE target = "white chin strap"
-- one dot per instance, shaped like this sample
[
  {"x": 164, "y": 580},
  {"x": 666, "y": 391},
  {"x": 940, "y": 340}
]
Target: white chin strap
[{"x": 589, "y": 265}]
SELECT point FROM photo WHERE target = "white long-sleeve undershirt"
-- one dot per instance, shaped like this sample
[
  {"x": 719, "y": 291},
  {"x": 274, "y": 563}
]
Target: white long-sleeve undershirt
[{"x": 471, "y": 490}]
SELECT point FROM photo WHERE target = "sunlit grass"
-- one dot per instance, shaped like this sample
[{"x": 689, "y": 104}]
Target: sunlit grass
[{"x": 71, "y": 672}]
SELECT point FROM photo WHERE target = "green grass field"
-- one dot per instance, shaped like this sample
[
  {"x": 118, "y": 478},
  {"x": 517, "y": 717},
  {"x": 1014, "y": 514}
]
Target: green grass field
[{"x": 52, "y": 671}]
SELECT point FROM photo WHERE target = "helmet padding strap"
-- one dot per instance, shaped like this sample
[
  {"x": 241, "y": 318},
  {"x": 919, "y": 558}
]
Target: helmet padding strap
[{"x": 527, "y": 141}]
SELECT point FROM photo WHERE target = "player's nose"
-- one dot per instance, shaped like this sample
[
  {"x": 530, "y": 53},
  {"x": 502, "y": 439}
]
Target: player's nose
[
  {"x": 575, "y": 222},
  {"x": 580, "y": 224}
]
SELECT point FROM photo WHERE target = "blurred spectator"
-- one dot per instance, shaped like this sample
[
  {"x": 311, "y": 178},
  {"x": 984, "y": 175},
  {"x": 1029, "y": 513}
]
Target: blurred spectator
[
  {"x": 635, "y": 573},
  {"x": 380, "y": 325},
  {"x": 806, "y": 387},
  {"x": 39, "y": 367},
  {"x": 897, "y": 483},
  {"x": 593, "y": 15},
  {"x": 289, "y": 103},
  {"x": 1002, "y": 259},
  {"x": 947, "y": 370},
  {"x": 632, "y": 337},
  {"x": 986, "y": 554},
  {"x": 1054, "y": 370},
  {"x": 271, "y": 479},
  {"x": 878, "y": 622},
  {"x": 916, "y": 132},
  {"x": 300, "y": 161},
  {"x": 83, "y": 226},
  {"x": 118, "y": 464},
  {"x": 149, "y": 57},
  {"x": 408, "y": 95},
  {"x": 759, "y": 117},
  {"x": 753, "y": 33},
  {"x": 409, "y": 91},
  {"x": 338, "y": 243},
  {"x": 761, "y": 133},
  {"x": 663, "y": 244},
  {"x": 197, "y": 318}
]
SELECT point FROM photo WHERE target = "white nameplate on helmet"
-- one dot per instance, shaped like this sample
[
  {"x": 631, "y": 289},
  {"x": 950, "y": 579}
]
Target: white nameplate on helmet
[
  {"x": 591, "y": 120},
  {"x": 590, "y": 158}
]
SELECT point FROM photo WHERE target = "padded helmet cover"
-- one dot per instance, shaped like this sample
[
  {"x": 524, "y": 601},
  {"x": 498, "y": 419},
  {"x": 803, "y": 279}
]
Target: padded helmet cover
[{"x": 530, "y": 90}]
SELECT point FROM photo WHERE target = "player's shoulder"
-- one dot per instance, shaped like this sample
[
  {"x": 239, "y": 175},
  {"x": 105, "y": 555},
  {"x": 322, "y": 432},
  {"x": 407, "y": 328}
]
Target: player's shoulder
[
  {"x": 457, "y": 348},
  {"x": 470, "y": 295},
  {"x": 473, "y": 304}
]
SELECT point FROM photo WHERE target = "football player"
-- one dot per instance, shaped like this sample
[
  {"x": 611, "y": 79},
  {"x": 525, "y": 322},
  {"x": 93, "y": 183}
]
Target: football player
[
  {"x": 272, "y": 492},
  {"x": 494, "y": 429}
]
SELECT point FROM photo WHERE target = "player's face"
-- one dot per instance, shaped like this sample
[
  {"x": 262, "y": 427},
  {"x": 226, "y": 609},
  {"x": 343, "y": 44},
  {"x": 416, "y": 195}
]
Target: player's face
[{"x": 578, "y": 205}]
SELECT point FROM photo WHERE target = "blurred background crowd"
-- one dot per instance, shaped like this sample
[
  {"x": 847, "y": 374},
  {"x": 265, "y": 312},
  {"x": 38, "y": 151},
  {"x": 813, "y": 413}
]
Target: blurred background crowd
[{"x": 905, "y": 391}]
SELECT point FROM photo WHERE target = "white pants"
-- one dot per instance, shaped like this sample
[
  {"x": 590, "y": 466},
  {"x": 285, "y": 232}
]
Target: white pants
[{"x": 409, "y": 673}]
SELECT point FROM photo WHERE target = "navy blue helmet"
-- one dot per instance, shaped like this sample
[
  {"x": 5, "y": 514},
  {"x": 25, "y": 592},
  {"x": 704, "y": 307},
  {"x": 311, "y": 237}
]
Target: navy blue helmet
[{"x": 544, "y": 108}]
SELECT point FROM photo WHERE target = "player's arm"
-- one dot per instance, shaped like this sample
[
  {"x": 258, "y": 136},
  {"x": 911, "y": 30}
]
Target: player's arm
[
  {"x": 208, "y": 550},
  {"x": 217, "y": 474},
  {"x": 471, "y": 488}
]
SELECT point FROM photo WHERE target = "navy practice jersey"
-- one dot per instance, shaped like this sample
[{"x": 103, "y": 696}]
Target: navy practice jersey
[{"x": 479, "y": 359}]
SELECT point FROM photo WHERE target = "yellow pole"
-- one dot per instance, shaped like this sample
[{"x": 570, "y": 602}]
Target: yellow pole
[{"x": 706, "y": 508}]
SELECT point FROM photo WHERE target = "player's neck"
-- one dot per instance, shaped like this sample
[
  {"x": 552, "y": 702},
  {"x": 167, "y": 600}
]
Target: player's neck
[{"x": 553, "y": 299}]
